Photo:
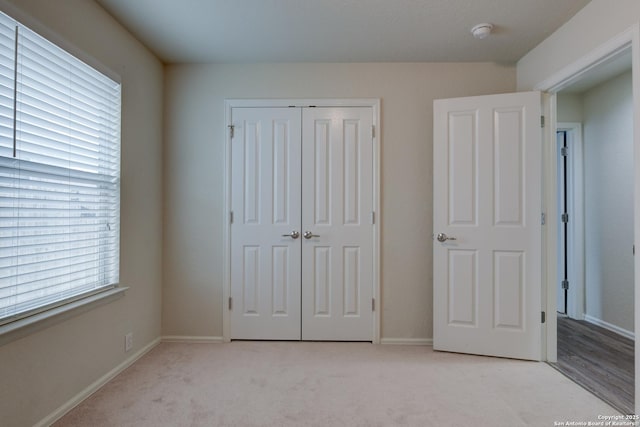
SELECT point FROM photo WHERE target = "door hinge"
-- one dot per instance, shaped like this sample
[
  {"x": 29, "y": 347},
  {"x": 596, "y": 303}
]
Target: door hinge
[
  {"x": 544, "y": 317},
  {"x": 565, "y": 284},
  {"x": 231, "y": 217},
  {"x": 541, "y": 121},
  {"x": 543, "y": 218},
  {"x": 373, "y": 131},
  {"x": 373, "y": 218},
  {"x": 230, "y": 303},
  {"x": 373, "y": 304},
  {"x": 232, "y": 129},
  {"x": 564, "y": 217},
  {"x": 564, "y": 151}
]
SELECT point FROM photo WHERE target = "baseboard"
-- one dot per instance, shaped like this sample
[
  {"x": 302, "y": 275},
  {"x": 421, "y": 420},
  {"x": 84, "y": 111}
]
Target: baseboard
[
  {"x": 613, "y": 328},
  {"x": 95, "y": 386},
  {"x": 207, "y": 339},
  {"x": 190, "y": 339},
  {"x": 407, "y": 341}
]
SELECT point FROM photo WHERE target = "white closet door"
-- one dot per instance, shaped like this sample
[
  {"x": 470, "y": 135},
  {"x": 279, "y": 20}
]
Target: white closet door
[
  {"x": 487, "y": 208},
  {"x": 266, "y": 259},
  {"x": 337, "y": 200}
]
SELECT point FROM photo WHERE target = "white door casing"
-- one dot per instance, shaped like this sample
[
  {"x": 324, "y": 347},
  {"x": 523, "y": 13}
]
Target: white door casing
[
  {"x": 332, "y": 188},
  {"x": 487, "y": 195},
  {"x": 576, "y": 235},
  {"x": 562, "y": 239},
  {"x": 337, "y": 200},
  {"x": 265, "y": 201}
]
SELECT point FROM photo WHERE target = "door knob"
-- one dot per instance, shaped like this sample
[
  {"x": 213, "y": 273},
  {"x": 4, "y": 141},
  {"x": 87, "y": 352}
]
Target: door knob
[
  {"x": 309, "y": 234},
  {"x": 294, "y": 234},
  {"x": 443, "y": 237}
]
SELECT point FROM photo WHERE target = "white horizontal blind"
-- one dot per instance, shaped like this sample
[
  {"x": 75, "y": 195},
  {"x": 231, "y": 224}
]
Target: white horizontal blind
[
  {"x": 59, "y": 176},
  {"x": 7, "y": 83}
]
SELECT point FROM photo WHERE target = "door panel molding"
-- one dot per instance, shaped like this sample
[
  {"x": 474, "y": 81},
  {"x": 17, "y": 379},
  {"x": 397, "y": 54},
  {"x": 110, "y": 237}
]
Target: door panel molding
[{"x": 373, "y": 217}]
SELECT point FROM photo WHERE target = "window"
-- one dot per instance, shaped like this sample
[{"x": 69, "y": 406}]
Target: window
[{"x": 59, "y": 175}]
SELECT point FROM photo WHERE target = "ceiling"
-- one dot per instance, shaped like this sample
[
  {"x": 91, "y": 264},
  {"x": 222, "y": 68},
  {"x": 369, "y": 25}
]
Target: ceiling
[{"x": 222, "y": 31}]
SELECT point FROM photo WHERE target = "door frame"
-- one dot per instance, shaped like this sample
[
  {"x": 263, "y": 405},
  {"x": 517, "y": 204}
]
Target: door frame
[
  {"x": 575, "y": 209},
  {"x": 629, "y": 39},
  {"x": 229, "y": 104}
]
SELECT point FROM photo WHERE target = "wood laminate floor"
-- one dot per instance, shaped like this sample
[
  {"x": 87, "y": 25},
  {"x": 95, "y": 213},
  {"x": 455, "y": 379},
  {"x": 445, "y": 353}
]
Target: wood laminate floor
[{"x": 599, "y": 360}]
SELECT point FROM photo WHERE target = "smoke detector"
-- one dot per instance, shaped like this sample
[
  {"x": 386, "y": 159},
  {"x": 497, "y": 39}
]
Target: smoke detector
[{"x": 481, "y": 31}]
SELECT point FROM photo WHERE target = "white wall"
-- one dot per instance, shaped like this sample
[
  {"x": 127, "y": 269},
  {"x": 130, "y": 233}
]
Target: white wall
[
  {"x": 194, "y": 173},
  {"x": 42, "y": 371},
  {"x": 594, "y": 25},
  {"x": 569, "y": 108},
  {"x": 608, "y": 174}
]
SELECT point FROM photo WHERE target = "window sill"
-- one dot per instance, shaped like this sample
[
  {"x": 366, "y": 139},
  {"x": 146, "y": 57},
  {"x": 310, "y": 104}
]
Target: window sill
[{"x": 29, "y": 325}]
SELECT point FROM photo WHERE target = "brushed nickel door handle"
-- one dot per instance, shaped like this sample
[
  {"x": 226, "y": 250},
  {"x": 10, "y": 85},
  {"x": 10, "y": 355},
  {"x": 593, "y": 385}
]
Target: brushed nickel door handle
[{"x": 443, "y": 238}]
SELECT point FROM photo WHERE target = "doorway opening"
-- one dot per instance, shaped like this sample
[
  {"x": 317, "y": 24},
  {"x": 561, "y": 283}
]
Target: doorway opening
[{"x": 595, "y": 231}]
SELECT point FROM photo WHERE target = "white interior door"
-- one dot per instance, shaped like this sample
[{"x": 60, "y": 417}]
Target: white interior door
[
  {"x": 266, "y": 206},
  {"x": 337, "y": 224},
  {"x": 487, "y": 202},
  {"x": 297, "y": 170}
]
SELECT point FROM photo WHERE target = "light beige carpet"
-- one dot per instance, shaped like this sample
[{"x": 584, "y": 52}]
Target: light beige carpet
[{"x": 332, "y": 384}]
